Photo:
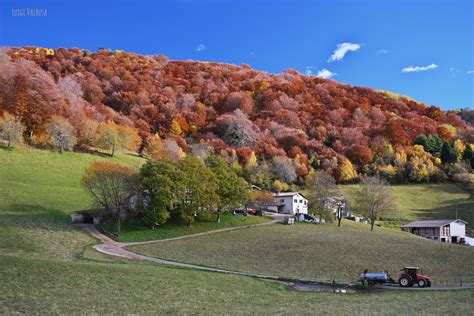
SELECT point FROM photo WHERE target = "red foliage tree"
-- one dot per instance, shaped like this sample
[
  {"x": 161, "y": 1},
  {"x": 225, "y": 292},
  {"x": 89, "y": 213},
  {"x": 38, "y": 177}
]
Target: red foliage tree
[{"x": 359, "y": 154}]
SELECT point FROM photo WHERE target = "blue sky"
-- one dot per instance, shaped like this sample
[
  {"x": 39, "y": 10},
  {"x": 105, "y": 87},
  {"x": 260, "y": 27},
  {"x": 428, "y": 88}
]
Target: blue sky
[{"x": 432, "y": 40}]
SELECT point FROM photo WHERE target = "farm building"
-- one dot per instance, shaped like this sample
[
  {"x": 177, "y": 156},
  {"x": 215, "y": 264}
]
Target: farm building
[
  {"x": 289, "y": 203},
  {"x": 445, "y": 230}
]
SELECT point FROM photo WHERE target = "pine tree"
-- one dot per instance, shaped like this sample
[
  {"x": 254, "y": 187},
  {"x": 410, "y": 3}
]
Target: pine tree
[
  {"x": 448, "y": 154},
  {"x": 468, "y": 155}
]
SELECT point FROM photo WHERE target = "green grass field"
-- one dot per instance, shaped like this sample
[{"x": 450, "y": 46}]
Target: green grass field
[
  {"x": 39, "y": 189},
  {"x": 426, "y": 201},
  {"x": 48, "y": 267},
  {"x": 319, "y": 252},
  {"x": 42, "y": 286},
  {"x": 134, "y": 230}
]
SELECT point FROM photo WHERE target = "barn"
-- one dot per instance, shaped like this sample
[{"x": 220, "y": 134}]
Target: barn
[{"x": 444, "y": 230}]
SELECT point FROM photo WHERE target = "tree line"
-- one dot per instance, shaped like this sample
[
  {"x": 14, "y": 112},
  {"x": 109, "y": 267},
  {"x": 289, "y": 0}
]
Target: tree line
[
  {"x": 286, "y": 125},
  {"x": 188, "y": 189},
  {"x": 62, "y": 135}
]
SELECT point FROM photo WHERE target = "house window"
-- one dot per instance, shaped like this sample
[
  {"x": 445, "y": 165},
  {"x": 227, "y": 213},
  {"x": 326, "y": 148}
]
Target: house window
[
  {"x": 295, "y": 200},
  {"x": 282, "y": 200},
  {"x": 304, "y": 202},
  {"x": 301, "y": 201}
]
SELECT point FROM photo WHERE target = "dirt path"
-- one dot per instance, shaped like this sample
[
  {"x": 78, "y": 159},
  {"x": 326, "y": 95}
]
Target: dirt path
[{"x": 118, "y": 249}]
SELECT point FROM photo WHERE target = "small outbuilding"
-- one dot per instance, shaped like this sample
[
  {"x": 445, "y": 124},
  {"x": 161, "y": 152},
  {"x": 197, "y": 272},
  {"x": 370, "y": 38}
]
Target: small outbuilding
[
  {"x": 85, "y": 217},
  {"x": 444, "y": 230}
]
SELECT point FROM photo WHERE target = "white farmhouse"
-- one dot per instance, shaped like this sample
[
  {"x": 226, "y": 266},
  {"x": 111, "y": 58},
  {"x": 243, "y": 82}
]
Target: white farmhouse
[
  {"x": 289, "y": 203},
  {"x": 445, "y": 230}
]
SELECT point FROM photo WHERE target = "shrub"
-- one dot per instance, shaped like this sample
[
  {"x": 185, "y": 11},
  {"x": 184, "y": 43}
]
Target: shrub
[
  {"x": 184, "y": 220},
  {"x": 205, "y": 216},
  {"x": 159, "y": 217}
]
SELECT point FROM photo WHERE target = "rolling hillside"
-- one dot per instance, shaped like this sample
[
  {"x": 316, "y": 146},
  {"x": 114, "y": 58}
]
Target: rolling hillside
[
  {"x": 320, "y": 252},
  {"x": 48, "y": 266},
  {"x": 222, "y": 108},
  {"x": 425, "y": 201}
]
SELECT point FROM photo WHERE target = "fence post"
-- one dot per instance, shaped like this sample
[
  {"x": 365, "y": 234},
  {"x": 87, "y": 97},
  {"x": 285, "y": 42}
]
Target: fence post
[{"x": 460, "y": 280}]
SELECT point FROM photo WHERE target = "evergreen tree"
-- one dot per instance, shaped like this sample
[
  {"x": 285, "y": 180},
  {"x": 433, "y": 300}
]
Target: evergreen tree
[
  {"x": 431, "y": 143},
  {"x": 448, "y": 154},
  {"x": 468, "y": 155}
]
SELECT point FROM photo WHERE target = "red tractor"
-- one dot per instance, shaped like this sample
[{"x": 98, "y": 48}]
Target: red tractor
[{"x": 413, "y": 275}]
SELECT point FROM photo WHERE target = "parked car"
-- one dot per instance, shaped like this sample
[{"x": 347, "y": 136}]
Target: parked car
[
  {"x": 245, "y": 211},
  {"x": 305, "y": 218}
]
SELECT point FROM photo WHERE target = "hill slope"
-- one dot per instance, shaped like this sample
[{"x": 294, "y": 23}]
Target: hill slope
[
  {"x": 312, "y": 120},
  {"x": 44, "y": 271},
  {"x": 425, "y": 201},
  {"x": 321, "y": 252},
  {"x": 39, "y": 190}
]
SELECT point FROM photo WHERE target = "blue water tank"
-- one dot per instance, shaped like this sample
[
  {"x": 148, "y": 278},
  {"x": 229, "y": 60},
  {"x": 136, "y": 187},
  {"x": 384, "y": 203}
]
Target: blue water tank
[{"x": 379, "y": 276}]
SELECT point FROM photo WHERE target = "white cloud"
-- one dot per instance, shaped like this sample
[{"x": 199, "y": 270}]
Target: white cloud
[
  {"x": 325, "y": 73},
  {"x": 309, "y": 70},
  {"x": 381, "y": 52},
  {"x": 342, "y": 49},
  {"x": 419, "y": 68},
  {"x": 470, "y": 71},
  {"x": 200, "y": 48}
]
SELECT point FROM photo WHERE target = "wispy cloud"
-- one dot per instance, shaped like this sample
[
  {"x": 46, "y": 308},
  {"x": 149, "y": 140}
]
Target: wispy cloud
[
  {"x": 381, "y": 52},
  {"x": 309, "y": 70},
  {"x": 342, "y": 49},
  {"x": 325, "y": 73},
  {"x": 419, "y": 68},
  {"x": 200, "y": 48},
  {"x": 470, "y": 71}
]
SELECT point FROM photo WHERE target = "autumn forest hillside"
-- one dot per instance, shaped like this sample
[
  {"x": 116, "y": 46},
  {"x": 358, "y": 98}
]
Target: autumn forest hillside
[{"x": 275, "y": 127}]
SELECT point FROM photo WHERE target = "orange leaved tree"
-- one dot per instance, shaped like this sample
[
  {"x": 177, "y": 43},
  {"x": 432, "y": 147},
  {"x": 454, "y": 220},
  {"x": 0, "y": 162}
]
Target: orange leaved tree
[
  {"x": 113, "y": 187},
  {"x": 11, "y": 129},
  {"x": 114, "y": 137}
]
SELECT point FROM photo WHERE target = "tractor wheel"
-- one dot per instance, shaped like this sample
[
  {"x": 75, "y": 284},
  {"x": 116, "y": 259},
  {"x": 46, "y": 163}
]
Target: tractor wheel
[
  {"x": 370, "y": 283},
  {"x": 428, "y": 283},
  {"x": 404, "y": 281},
  {"x": 422, "y": 283}
]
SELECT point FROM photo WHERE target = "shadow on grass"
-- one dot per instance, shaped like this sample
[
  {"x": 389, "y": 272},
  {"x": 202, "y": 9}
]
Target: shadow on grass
[
  {"x": 5, "y": 148},
  {"x": 460, "y": 208},
  {"x": 34, "y": 216}
]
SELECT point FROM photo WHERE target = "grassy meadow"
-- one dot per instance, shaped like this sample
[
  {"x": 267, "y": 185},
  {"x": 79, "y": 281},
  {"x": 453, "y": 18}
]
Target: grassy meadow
[
  {"x": 320, "y": 252},
  {"x": 425, "y": 201},
  {"x": 39, "y": 190},
  {"x": 48, "y": 267},
  {"x": 133, "y": 230},
  {"x": 42, "y": 286}
]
